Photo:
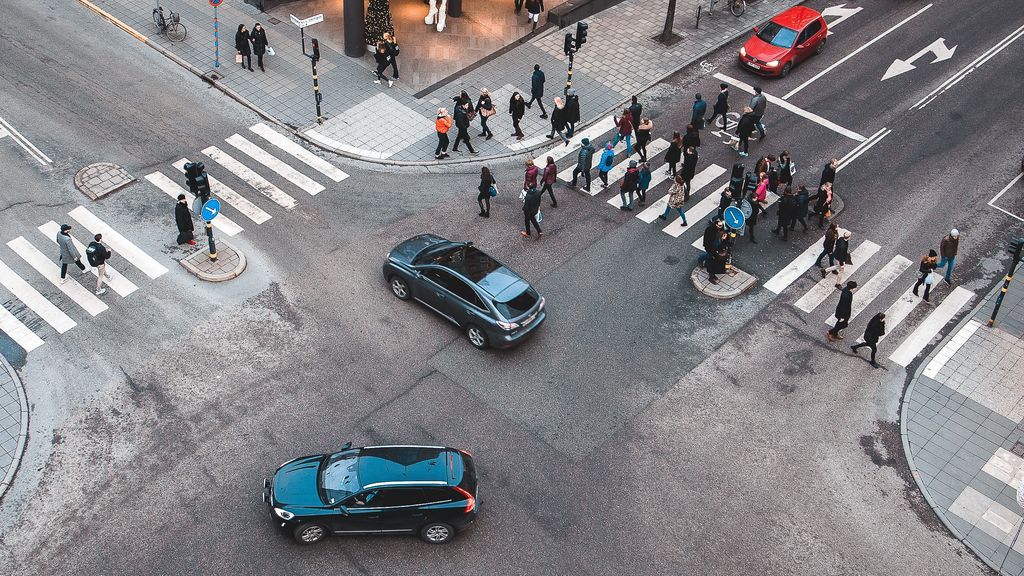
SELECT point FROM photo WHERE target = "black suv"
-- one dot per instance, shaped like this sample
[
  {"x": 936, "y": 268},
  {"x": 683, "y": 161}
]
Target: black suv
[
  {"x": 490, "y": 302},
  {"x": 425, "y": 490}
]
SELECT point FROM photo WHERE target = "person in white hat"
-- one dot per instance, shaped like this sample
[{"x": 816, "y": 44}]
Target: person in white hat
[{"x": 947, "y": 250}]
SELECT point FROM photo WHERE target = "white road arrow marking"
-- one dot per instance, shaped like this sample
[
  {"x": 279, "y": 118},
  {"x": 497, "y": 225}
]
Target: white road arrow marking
[
  {"x": 841, "y": 12},
  {"x": 942, "y": 53}
]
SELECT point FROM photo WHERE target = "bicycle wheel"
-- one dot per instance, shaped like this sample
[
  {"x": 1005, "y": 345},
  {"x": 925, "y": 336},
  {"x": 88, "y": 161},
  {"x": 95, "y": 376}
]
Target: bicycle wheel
[
  {"x": 737, "y": 7},
  {"x": 176, "y": 32}
]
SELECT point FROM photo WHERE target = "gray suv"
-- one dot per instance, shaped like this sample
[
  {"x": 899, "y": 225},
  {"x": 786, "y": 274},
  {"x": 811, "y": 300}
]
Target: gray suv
[{"x": 492, "y": 304}]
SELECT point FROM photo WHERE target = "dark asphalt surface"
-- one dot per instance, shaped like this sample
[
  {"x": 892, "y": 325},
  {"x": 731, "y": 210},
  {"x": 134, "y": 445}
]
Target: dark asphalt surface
[{"x": 643, "y": 429}]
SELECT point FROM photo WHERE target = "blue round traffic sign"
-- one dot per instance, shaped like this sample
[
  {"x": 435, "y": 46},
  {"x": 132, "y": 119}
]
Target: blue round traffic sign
[
  {"x": 216, "y": 3},
  {"x": 211, "y": 209},
  {"x": 733, "y": 217}
]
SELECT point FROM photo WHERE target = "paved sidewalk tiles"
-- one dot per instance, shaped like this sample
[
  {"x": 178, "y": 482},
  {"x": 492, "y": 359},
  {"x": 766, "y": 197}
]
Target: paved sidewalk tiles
[{"x": 13, "y": 423}]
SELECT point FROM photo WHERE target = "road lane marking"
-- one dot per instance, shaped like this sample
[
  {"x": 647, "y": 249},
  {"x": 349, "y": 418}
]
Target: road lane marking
[
  {"x": 261, "y": 184},
  {"x": 119, "y": 244},
  {"x": 862, "y": 148},
  {"x": 854, "y": 53},
  {"x": 172, "y": 189},
  {"x": 697, "y": 213},
  {"x": 653, "y": 149},
  {"x": 36, "y": 259},
  {"x": 18, "y": 332},
  {"x": 951, "y": 348},
  {"x": 992, "y": 202},
  {"x": 794, "y": 109},
  {"x": 270, "y": 161},
  {"x": 875, "y": 286},
  {"x": 796, "y": 268},
  {"x": 310, "y": 159},
  {"x": 700, "y": 180},
  {"x": 932, "y": 325},
  {"x": 826, "y": 286},
  {"x": 250, "y": 210},
  {"x": 896, "y": 313},
  {"x": 771, "y": 198},
  {"x": 840, "y": 11},
  {"x": 29, "y": 147},
  {"x": 115, "y": 279},
  {"x": 35, "y": 301},
  {"x": 902, "y": 66}
]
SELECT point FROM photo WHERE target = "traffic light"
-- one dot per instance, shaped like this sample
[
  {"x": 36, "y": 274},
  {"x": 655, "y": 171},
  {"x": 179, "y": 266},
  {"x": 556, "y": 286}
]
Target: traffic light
[
  {"x": 581, "y": 34},
  {"x": 567, "y": 47},
  {"x": 193, "y": 172},
  {"x": 1015, "y": 247},
  {"x": 316, "y": 50}
]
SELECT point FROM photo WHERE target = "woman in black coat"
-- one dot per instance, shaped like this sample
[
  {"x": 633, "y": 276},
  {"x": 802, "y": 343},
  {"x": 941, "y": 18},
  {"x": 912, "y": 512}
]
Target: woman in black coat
[
  {"x": 381, "y": 58},
  {"x": 872, "y": 334},
  {"x": 675, "y": 151},
  {"x": 242, "y": 45},
  {"x": 692, "y": 137},
  {"x": 531, "y": 205},
  {"x": 183, "y": 218},
  {"x": 744, "y": 128},
  {"x": 689, "y": 169},
  {"x": 259, "y": 43},
  {"x": 484, "y": 197},
  {"x": 517, "y": 107}
]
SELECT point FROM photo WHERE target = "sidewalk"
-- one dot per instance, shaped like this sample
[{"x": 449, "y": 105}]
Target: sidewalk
[
  {"x": 13, "y": 423},
  {"x": 390, "y": 125},
  {"x": 963, "y": 430}
]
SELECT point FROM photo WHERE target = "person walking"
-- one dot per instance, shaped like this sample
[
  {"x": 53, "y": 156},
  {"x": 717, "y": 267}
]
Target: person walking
[
  {"x": 533, "y": 9},
  {"x": 643, "y": 183},
  {"x": 841, "y": 254},
  {"x": 442, "y": 124},
  {"x": 823, "y": 204},
  {"x": 97, "y": 254},
  {"x": 785, "y": 169},
  {"x": 572, "y": 111},
  {"x": 625, "y": 125},
  {"x": 843, "y": 311},
  {"x": 689, "y": 170},
  {"x": 924, "y": 271},
  {"x": 537, "y": 90},
  {"x": 744, "y": 128},
  {"x": 772, "y": 170},
  {"x": 487, "y": 185},
  {"x": 584, "y": 162},
  {"x": 628, "y": 185},
  {"x": 758, "y": 103},
  {"x": 700, "y": 108},
  {"x": 392, "y": 51},
  {"x": 674, "y": 152},
  {"x": 380, "y": 56},
  {"x": 605, "y": 165},
  {"x": 872, "y": 334},
  {"x": 243, "y": 47},
  {"x": 691, "y": 137},
  {"x": 485, "y": 109},
  {"x": 676, "y": 200},
  {"x": 531, "y": 207},
  {"x": 829, "y": 173},
  {"x": 758, "y": 201},
  {"x": 802, "y": 202},
  {"x": 829, "y": 245},
  {"x": 530, "y": 174},
  {"x": 519, "y": 6},
  {"x": 462, "y": 127},
  {"x": 258, "y": 36},
  {"x": 721, "y": 107},
  {"x": 725, "y": 200},
  {"x": 68, "y": 253},
  {"x": 787, "y": 209},
  {"x": 549, "y": 177},
  {"x": 558, "y": 124},
  {"x": 517, "y": 109},
  {"x": 948, "y": 249},
  {"x": 636, "y": 113},
  {"x": 643, "y": 136},
  {"x": 183, "y": 218}
]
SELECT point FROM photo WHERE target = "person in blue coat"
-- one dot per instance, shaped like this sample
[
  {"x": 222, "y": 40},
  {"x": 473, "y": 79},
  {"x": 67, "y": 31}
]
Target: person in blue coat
[
  {"x": 537, "y": 90},
  {"x": 605, "y": 165},
  {"x": 700, "y": 107}
]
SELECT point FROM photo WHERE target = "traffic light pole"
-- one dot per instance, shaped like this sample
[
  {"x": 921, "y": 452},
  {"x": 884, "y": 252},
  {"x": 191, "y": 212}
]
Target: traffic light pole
[
  {"x": 314, "y": 57},
  {"x": 1015, "y": 247},
  {"x": 570, "y": 47},
  {"x": 568, "y": 80}
]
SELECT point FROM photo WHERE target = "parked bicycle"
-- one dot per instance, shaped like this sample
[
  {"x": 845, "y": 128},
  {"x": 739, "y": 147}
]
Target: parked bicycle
[
  {"x": 170, "y": 25},
  {"x": 737, "y": 7}
]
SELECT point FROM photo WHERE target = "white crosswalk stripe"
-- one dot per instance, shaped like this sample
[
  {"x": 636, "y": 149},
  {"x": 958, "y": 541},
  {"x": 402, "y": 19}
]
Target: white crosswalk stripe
[
  {"x": 796, "y": 268},
  {"x": 593, "y": 132},
  {"x": 250, "y": 210},
  {"x": 697, "y": 213},
  {"x": 261, "y": 184},
  {"x": 654, "y": 209},
  {"x": 18, "y": 332},
  {"x": 296, "y": 150},
  {"x": 770, "y": 198},
  {"x": 221, "y": 222},
  {"x": 654, "y": 148},
  {"x": 871, "y": 289},
  {"x": 115, "y": 279},
  {"x": 35, "y": 301},
  {"x": 901, "y": 308},
  {"x": 119, "y": 244},
  {"x": 700, "y": 180},
  {"x": 51, "y": 271},
  {"x": 272, "y": 162},
  {"x": 931, "y": 326},
  {"x": 826, "y": 286}
]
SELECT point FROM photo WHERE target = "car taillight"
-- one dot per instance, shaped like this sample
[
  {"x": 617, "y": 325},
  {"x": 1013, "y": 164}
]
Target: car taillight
[
  {"x": 470, "y": 500},
  {"x": 507, "y": 325},
  {"x": 541, "y": 307}
]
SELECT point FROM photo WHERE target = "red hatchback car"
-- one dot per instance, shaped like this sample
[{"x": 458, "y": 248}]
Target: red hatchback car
[{"x": 784, "y": 41}]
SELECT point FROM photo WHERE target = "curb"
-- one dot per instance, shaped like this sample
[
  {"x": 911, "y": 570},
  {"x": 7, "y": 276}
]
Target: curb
[
  {"x": 733, "y": 293},
  {"x": 298, "y": 132},
  {"x": 223, "y": 277},
  {"x": 22, "y": 433}
]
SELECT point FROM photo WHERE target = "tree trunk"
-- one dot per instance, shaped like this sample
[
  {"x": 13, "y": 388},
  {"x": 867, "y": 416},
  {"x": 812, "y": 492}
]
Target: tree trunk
[{"x": 670, "y": 18}]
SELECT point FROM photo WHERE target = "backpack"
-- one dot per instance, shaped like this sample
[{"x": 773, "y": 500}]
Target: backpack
[{"x": 94, "y": 253}]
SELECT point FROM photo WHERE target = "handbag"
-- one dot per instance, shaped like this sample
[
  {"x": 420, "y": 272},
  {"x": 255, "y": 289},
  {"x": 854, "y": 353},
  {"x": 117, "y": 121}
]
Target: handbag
[
  {"x": 487, "y": 112},
  {"x": 471, "y": 114},
  {"x": 270, "y": 51},
  {"x": 928, "y": 280},
  {"x": 493, "y": 191},
  {"x": 238, "y": 58},
  {"x": 540, "y": 217}
]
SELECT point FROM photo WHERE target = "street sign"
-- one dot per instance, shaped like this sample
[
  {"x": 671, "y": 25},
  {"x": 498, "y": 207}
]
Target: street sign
[
  {"x": 211, "y": 209},
  {"x": 216, "y": 3},
  {"x": 734, "y": 218},
  {"x": 303, "y": 22}
]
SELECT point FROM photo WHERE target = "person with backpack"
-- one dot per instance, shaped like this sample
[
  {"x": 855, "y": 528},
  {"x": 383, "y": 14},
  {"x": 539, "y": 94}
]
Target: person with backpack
[
  {"x": 97, "y": 254},
  {"x": 487, "y": 189},
  {"x": 584, "y": 162},
  {"x": 558, "y": 124},
  {"x": 872, "y": 334},
  {"x": 605, "y": 165},
  {"x": 549, "y": 177},
  {"x": 629, "y": 182},
  {"x": 68, "y": 253}
]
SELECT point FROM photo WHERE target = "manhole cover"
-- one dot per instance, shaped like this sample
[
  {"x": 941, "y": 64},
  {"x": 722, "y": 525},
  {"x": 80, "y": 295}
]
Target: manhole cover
[
  {"x": 213, "y": 75},
  {"x": 274, "y": 21},
  {"x": 98, "y": 180}
]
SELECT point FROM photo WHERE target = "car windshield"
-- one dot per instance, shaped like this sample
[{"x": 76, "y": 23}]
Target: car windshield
[
  {"x": 466, "y": 260},
  {"x": 777, "y": 35},
  {"x": 338, "y": 476},
  {"x": 517, "y": 306}
]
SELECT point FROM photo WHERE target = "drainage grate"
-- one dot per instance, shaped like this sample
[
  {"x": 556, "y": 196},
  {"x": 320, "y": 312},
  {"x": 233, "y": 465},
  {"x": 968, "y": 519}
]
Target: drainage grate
[
  {"x": 1018, "y": 449},
  {"x": 274, "y": 21},
  {"x": 213, "y": 75}
]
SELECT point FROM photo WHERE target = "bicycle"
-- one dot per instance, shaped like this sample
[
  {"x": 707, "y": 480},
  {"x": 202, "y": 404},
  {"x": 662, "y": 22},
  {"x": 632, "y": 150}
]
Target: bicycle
[
  {"x": 737, "y": 7},
  {"x": 169, "y": 26}
]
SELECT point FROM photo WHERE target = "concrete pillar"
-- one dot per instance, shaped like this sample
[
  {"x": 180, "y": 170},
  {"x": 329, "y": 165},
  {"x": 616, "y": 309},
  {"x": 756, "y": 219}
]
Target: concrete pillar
[{"x": 355, "y": 28}]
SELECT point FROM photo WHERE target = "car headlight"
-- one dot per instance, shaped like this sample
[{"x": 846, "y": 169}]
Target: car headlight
[
  {"x": 283, "y": 514},
  {"x": 743, "y": 51},
  {"x": 772, "y": 64},
  {"x": 507, "y": 325}
]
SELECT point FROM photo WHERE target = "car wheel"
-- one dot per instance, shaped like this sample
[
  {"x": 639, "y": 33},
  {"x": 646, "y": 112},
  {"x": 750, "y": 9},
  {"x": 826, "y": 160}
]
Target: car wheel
[
  {"x": 477, "y": 337},
  {"x": 437, "y": 533},
  {"x": 786, "y": 69},
  {"x": 309, "y": 533},
  {"x": 399, "y": 287},
  {"x": 821, "y": 47}
]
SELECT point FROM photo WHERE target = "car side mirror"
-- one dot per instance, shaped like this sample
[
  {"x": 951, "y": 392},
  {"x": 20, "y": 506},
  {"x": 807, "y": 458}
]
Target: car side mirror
[
  {"x": 346, "y": 446},
  {"x": 757, "y": 29}
]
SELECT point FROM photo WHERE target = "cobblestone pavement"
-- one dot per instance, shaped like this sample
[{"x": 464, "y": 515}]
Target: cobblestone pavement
[
  {"x": 13, "y": 423},
  {"x": 610, "y": 68},
  {"x": 963, "y": 431}
]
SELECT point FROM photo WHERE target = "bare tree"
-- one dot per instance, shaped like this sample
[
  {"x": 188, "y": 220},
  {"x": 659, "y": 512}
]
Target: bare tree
[{"x": 666, "y": 34}]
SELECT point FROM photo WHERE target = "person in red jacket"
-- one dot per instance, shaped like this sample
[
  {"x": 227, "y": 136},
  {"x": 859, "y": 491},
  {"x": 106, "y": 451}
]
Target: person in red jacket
[
  {"x": 549, "y": 177},
  {"x": 625, "y": 124},
  {"x": 530, "y": 179}
]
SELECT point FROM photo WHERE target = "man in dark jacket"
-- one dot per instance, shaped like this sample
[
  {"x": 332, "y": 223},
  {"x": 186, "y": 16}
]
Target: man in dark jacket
[
  {"x": 584, "y": 162},
  {"x": 636, "y": 110},
  {"x": 803, "y": 199},
  {"x": 787, "y": 211},
  {"x": 531, "y": 205},
  {"x": 710, "y": 241},
  {"x": 700, "y": 107},
  {"x": 744, "y": 128},
  {"x": 462, "y": 124},
  {"x": 721, "y": 106},
  {"x": 537, "y": 90},
  {"x": 948, "y": 249},
  {"x": 517, "y": 108},
  {"x": 629, "y": 180},
  {"x": 872, "y": 334},
  {"x": 843, "y": 311},
  {"x": 758, "y": 103},
  {"x": 572, "y": 111},
  {"x": 97, "y": 254},
  {"x": 829, "y": 173},
  {"x": 183, "y": 218}
]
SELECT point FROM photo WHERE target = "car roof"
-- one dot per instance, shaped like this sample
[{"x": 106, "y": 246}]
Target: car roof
[
  {"x": 796, "y": 17},
  {"x": 402, "y": 465}
]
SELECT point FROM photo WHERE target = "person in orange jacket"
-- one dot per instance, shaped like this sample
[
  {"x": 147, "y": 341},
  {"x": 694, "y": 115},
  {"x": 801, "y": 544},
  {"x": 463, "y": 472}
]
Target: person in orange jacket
[{"x": 442, "y": 125}]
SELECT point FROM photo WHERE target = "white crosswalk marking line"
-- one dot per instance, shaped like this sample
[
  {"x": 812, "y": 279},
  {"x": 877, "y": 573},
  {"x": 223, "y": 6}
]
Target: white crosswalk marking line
[
  {"x": 656, "y": 147},
  {"x": 796, "y": 268},
  {"x": 115, "y": 279},
  {"x": 270, "y": 161},
  {"x": 261, "y": 184},
  {"x": 700, "y": 180},
  {"x": 654, "y": 209},
  {"x": 310, "y": 159},
  {"x": 901, "y": 308},
  {"x": 565, "y": 174},
  {"x": 697, "y": 213},
  {"x": 119, "y": 244},
  {"x": 770, "y": 198},
  {"x": 36, "y": 259},
  {"x": 221, "y": 222},
  {"x": 827, "y": 285},
  {"x": 930, "y": 327},
  {"x": 593, "y": 132},
  {"x": 18, "y": 332},
  {"x": 250, "y": 210},
  {"x": 873, "y": 287},
  {"x": 35, "y": 301}
]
